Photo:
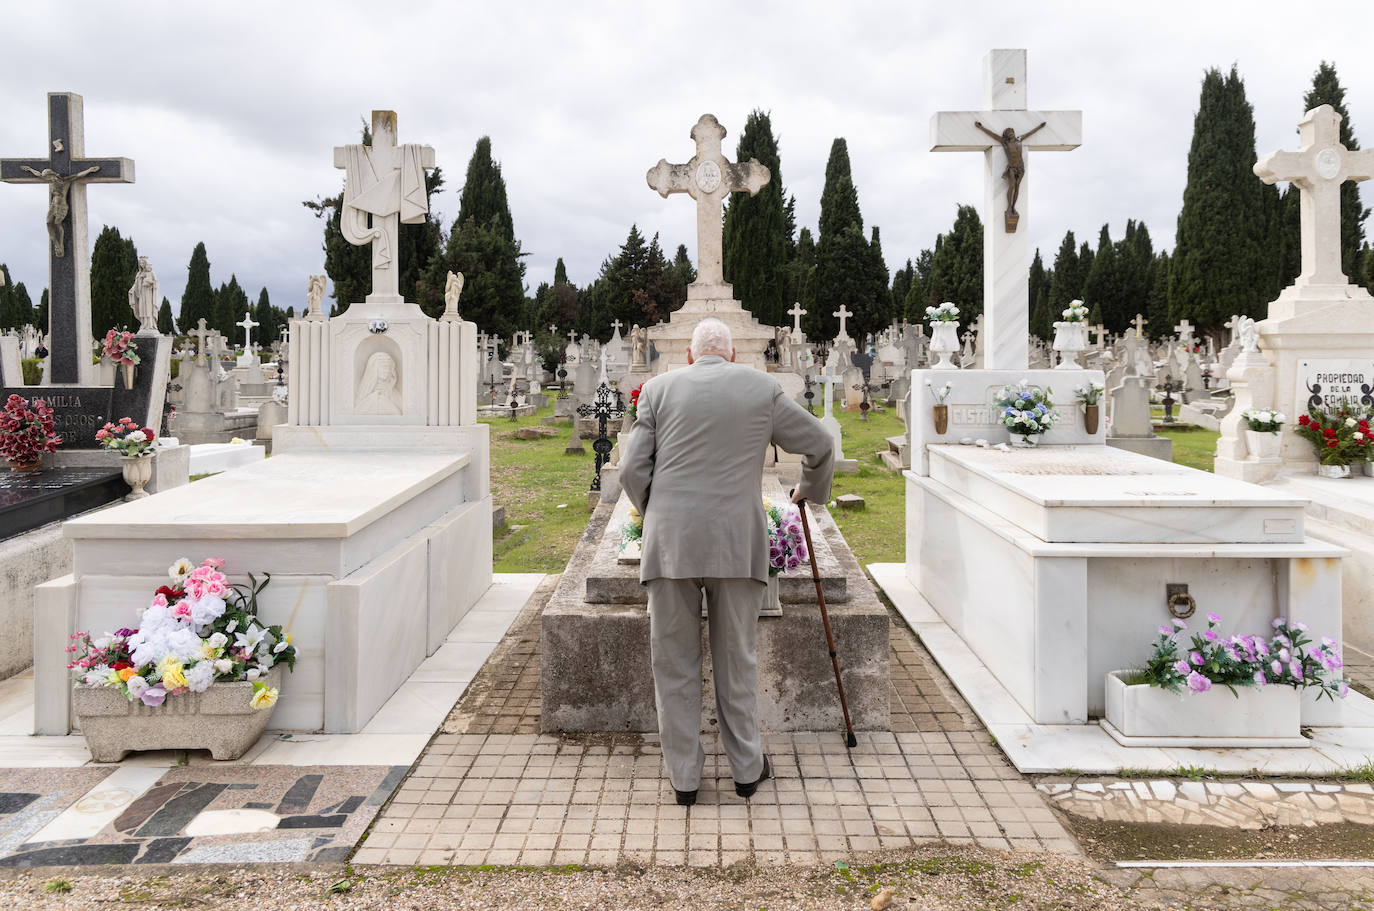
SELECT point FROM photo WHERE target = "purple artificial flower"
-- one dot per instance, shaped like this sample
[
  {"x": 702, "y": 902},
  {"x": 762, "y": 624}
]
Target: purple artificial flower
[
  {"x": 1295, "y": 666},
  {"x": 1343, "y": 688},
  {"x": 1196, "y": 658},
  {"x": 1328, "y": 642},
  {"x": 1166, "y": 631},
  {"x": 1179, "y": 624},
  {"x": 1183, "y": 668},
  {"x": 1198, "y": 683},
  {"x": 154, "y": 695},
  {"x": 1285, "y": 655},
  {"x": 1300, "y": 627},
  {"x": 1259, "y": 679},
  {"x": 1277, "y": 622},
  {"x": 1277, "y": 667},
  {"x": 125, "y": 633},
  {"x": 1213, "y": 618},
  {"x": 1231, "y": 653},
  {"x": 1211, "y": 635},
  {"x": 1261, "y": 648}
]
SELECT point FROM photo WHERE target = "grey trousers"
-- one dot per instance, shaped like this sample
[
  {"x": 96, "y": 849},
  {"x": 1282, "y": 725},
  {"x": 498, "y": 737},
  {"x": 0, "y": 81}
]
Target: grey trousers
[{"x": 675, "y": 641}]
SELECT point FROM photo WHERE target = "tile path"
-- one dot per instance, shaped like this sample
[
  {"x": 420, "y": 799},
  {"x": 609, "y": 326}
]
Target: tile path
[{"x": 491, "y": 790}]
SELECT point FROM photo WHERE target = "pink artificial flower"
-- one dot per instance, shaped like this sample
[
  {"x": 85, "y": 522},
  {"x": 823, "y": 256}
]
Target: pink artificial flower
[
  {"x": 182, "y": 610},
  {"x": 1259, "y": 679},
  {"x": 1277, "y": 667},
  {"x": 1213, "y": 618},
  {"x": 1198, "y": 683},
  {"x": 159, "y": 600},
  {"x": 1295, "y": 666},
  {"x": 1196, "y": 658},
  {"x": 213, "y": 562},
  {"x": 1183, "y": 668},
  {"x": 1211, "y": 635},
  {"x": 1276, "y": 622}
]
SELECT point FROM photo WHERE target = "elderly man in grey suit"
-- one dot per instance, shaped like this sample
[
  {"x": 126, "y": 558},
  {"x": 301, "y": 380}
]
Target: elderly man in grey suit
[{"x": 693, "y": 467}]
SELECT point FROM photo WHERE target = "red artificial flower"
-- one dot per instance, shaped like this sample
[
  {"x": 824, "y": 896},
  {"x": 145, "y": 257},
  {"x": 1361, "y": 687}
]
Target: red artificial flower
[
  {"x": 1304, "y": 420},
  {"x": 1329, "y": 432},
  {"x": 121, "y": 665},
  {"x": 1332, "y": 444},
  {"x": 170, "y": 593},
  {"x": 149, "y": 433}
]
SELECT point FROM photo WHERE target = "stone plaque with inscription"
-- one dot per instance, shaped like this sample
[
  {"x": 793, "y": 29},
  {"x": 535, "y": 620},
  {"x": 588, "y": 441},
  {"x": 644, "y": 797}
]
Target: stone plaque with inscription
[{"x": 1325, "y": 383}]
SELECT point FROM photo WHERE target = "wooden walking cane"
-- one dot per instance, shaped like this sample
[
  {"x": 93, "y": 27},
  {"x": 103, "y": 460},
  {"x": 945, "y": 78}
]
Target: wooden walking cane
[{"x": 850, "y": 740}]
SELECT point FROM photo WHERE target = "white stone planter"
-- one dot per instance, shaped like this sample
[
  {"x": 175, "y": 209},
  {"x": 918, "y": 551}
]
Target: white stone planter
[
  {"x": 138, "y": 471},
  {"x": 1262, "y": 444},
  {"x": 1333, "y": 471},
  {"x": 944, "y": 341},
  {"x": 1069, "y": 339},
  {"x": 1143, "y": 715},
  {"x": 220, "y": 720}
]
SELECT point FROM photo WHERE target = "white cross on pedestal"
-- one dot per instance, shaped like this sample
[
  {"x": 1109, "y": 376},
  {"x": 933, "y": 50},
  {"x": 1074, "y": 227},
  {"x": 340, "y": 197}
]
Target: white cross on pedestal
[
  {"x": 1140, "y": 322},
  {"x": 1185, "y": 332},
  {"x": 1318, "y": 169},
  {"x": 248, "y": 325},
  {"x": 796, "y": 313},
  {"x": 707, "y": 178},
  {"x": 201, "y": 334},
  {"x": 843, "y": 314},
  {"x": 1006, "y": 244},
  {"x": 616, "y": 324},
  {"x": 384, "y": 187}
]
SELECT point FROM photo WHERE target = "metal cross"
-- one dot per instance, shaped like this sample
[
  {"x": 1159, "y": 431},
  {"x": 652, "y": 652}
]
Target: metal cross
[{"x": 604, "y": 406}]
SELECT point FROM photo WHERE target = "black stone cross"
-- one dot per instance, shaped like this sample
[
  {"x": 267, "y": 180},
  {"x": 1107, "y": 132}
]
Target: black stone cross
[
  {"x": 66, "y": 170},
  {"x": 602, "y": 407},
  {"x": 1169, "y": 387}
]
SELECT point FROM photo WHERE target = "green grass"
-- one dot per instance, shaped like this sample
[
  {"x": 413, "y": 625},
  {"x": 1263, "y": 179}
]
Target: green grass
[
  {"x": 877, "y": 533},
  {"x": 1195, "y": 447},
  {"x": 532, "y": 479}
]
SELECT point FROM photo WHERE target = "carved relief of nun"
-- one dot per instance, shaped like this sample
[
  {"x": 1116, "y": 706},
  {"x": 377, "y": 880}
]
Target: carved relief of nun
[{"x": 377, "y": 392}]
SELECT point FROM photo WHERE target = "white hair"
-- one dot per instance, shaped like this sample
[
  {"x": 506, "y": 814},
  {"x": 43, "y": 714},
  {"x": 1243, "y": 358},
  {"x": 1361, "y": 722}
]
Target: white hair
[{"x": 711, "y": 336}]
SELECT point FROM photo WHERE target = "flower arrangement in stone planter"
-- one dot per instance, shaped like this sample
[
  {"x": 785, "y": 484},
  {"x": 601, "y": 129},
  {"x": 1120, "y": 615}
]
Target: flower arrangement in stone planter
[
  {"x": 786, "y": 542},
  {"x": 121, "y": 349},
  {"x": 944, "y": 333},
  {"x": 1178, "y": 695},
  {"x": 200, "y": 671},
  {"x": 1339, "y": 437},
  {"x": 26, "y": 432},
  {"x": 1262, "y": 428},
  {"x": 1071, "y": 335},
  {"x": 633, "y": 408},
  {"x": 1089, "y": 395},
  {"x": 136, "y": 448},
  {"x": 1027, "y": 410}
]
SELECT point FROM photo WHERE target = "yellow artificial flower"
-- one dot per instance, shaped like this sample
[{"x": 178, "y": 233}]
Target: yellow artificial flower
[
  {"x": 264, "y": 698},
  {"x": 208, "y": 651},
  {"x": 171, "y": 671}
]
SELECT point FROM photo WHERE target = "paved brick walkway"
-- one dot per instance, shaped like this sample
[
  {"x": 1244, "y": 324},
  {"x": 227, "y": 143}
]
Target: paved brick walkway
[
  {"x": 1249, "y": 805},
  {"x": 490, "y": 789}
]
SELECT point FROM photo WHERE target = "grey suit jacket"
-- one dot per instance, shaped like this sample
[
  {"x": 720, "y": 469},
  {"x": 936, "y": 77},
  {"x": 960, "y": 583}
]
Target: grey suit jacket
[{"x": 693, "y": 467}]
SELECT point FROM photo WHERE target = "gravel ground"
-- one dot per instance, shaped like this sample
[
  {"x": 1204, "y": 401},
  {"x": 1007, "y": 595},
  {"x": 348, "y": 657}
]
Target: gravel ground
[{"x": 938, "y": 879}]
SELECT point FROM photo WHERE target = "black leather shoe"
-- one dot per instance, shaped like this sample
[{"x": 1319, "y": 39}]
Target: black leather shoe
[
  {"x": 747, "y": 790},
  {"x": 685, "y": 798}
]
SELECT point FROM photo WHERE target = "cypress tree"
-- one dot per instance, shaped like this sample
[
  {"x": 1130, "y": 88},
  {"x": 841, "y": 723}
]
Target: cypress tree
[
  {"x": 1066, "y": 284},
  {"x": 681, "y": 274},
  {"x": 1157, "y": 303},
  {"x": 880, "y": 312},
  {"x": 843, "y": 256},
  {"x": 231, "y": 305},
  {"x": 42, "y": 316},
  {"x": 1102, "y": 289},
  {"x": 165, "y": 325},
  {"x": 198, "y": 298},
  {"x": 956, "y": 266},
  {"x": 1038, "y": 299},
  {"x": 1290, "y": 235},
  {"x": 756, "y": 234},
  {"x": 484, "y": 192},
  {"x": 22, "y": 313},
  {"x": 920, "y": 295},
  {"x": 901, "y": 285},
  {"x": 114, "y": 263},
  {"x": 1223, "y": 260}
]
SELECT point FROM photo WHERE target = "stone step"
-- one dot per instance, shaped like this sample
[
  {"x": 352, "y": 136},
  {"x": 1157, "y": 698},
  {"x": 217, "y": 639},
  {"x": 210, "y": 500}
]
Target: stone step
[
  {"x": 896, "y": 443},
  {"x": 890, "y": 460}
]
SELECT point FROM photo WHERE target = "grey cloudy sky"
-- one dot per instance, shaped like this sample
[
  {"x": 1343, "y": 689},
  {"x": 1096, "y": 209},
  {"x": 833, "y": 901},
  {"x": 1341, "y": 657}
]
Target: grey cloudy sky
[{"x": 231, "y": 110}]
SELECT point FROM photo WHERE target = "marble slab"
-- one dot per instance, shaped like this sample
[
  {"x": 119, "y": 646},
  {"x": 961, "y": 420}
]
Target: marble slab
[
  {"x": 611, "y": 581},
  {"x": 1099, "y": 494}
]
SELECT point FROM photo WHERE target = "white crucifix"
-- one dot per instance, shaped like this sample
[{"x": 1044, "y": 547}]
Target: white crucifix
[
  {"x": 708, "y": 178},
  {"x": 1318, "y": 169},
  {"x": 248, "y": 357},
  {"x": 1140, "y": 322},
  {"x": 384, "y": 187},
  {"x": 1004, "y": 132},
  {"x": 843, "y": 314}
]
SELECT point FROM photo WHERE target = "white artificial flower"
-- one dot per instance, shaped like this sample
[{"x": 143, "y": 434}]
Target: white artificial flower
[
  {"x": 253, "y": 674},
  {"x": 180, "y": 569},
  {"x": 206, "y": 609},
  {"x": 1350, "y": 422},
  {"x": 218, "y": 640},
  {"x": 200, "y": 675},
  {"x": 279, "y": 647},
  {"x": 138, "y": 436},
  {"x": 223, "y": 665},
  {"x": 136, "y": 686},
  {"x": 97, "y": 676},
  {"x": 1358, "y": 435}
]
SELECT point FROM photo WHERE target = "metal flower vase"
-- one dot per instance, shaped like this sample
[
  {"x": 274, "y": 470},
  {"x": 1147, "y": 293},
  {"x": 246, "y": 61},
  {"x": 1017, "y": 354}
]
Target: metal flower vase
[
  {"x": 1091, "y": 415},
  {"x": 941, "y": 415},
  {"x": 126, "y": 372}
]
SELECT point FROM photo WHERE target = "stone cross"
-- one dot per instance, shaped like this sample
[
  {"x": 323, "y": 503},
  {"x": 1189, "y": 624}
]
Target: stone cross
[
  {"x": 1006, "y": 253},
  {"x": 1132, "y": 353},
  {"x": 201, "y": 334},
  {"x": 572, "y": 336},
  {"x": 66, "y": 170},
  {"x": 1185, "y": 333},
  {"x": 843, "y": 314},
  {"x": 384, "y": 188},
  {"x": 1100, "y": 333},
  {"x": 1318, "y": 169},
  {"x": 1140, "y": 322},
  {"x": 615, "y": 325},
  {"x": 708, "y": 178},
  {"x": 796, "y": 313},
  {"x": 248, "y": 325}
]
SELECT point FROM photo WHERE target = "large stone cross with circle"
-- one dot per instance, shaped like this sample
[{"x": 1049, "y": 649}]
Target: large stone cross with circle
[
  {"x": 708, "y": 178},
  {"x": 1318, "y": 168}
]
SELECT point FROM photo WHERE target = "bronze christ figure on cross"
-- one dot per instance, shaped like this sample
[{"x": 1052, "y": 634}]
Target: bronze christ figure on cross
[
  {"x": 57, "y": 203},
  {"x": 1016, "y": 165}
]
